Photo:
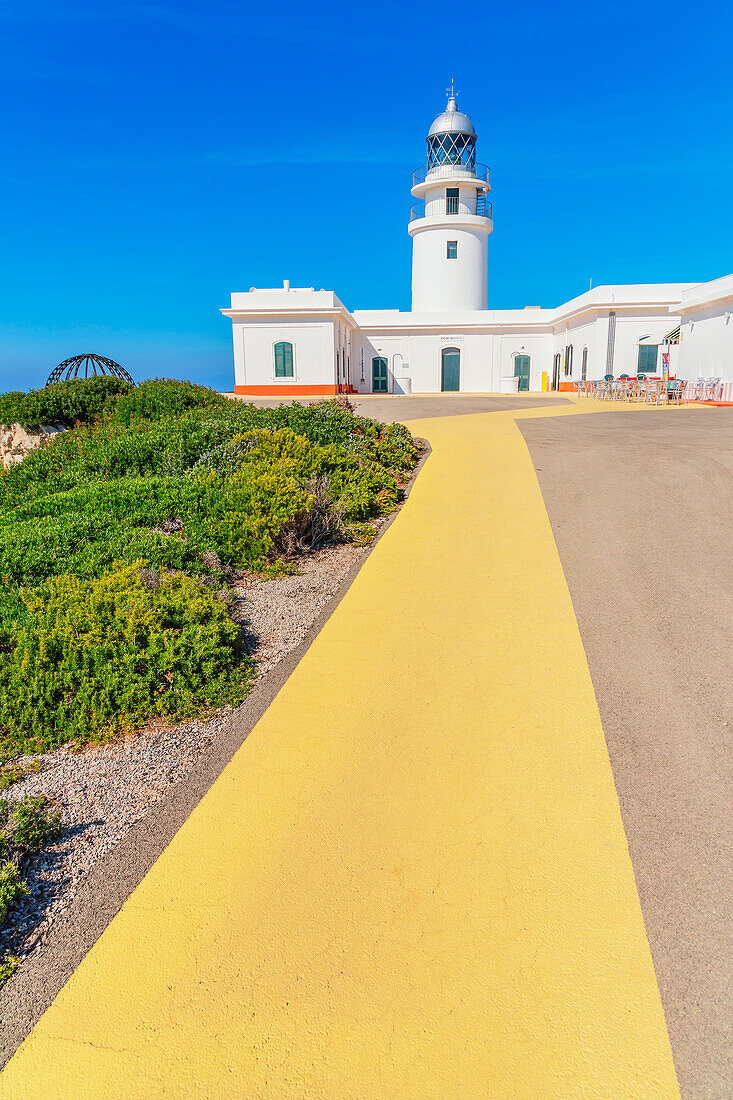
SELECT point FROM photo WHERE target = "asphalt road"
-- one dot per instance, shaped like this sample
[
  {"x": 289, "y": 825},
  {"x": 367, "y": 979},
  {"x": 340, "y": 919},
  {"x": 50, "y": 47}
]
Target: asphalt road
[
  {"x": 417, "y": 407},
  {"x": 642, "y": 511}
]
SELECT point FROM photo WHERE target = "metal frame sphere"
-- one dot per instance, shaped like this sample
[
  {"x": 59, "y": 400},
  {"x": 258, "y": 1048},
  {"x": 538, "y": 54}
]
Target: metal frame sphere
[{"x": 88, "y": 366}]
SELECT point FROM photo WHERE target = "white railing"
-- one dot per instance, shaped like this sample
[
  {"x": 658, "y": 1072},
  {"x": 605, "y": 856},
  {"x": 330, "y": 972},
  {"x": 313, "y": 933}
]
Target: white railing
[
  {"x": 446, "y": 171},
  {"x": 484, "y": 210}
]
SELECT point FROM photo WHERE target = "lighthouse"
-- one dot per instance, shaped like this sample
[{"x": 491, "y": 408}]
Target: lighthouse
[{"x": 451, "y": 221}]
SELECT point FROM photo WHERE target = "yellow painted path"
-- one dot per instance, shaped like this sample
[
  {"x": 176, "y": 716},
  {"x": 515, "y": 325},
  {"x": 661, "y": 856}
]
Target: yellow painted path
[{"x": 412, "y": 880}]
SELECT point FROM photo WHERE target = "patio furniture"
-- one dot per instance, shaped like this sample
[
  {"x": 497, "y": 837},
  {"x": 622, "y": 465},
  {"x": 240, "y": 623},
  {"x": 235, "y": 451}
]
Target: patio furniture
[
  {"x": 676, "y": 392},
  {"x": 652, "y": 391},
  {"x": 623, "y": 389}
]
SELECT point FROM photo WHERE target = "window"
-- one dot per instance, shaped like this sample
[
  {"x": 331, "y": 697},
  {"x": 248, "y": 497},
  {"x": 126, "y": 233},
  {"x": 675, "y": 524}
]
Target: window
[
  {"x": 647, "y": 359},
  {"x": 452, "y": 250},
  {"x": 568, "y": 360},
  {"x": 584, "y": 368},
  {"x": 556, "y": 371},
  {"x": 283, "y": 359},
  {"x": 451, "y": 200}
]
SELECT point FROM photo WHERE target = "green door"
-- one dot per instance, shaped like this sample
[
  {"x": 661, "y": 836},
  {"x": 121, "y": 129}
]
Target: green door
[
  {"x": 451, "y": 372},
  {"x": 521, "y": 371},
  {"x": 379, "y": 374}
]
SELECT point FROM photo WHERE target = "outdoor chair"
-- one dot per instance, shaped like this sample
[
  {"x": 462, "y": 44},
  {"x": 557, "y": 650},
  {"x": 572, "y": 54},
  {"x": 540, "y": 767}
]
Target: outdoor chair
[
  {"x": 676, "y": 392},
  {"x": 652, "y": 392},
  {"x": 620, "y": 390}
]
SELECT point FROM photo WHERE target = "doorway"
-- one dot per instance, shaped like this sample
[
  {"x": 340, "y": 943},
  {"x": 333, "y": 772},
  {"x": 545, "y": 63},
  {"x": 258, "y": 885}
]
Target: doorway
[
  {"x": 521, "y": 371},
  {"x": 450, "y": 381},
  {"x": 379, "y": 374}
]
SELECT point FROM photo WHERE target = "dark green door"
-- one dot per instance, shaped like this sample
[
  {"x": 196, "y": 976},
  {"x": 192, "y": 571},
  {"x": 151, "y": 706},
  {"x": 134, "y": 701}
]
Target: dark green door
[
  {"x": 451, "y": 372},
  {"x": 379, "y": 374},
  {"x": 521, "y": 371}
]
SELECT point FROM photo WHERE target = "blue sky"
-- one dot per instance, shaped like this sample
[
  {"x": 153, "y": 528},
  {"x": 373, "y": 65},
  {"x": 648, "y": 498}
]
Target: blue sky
[{"x": 159, "y": 155}]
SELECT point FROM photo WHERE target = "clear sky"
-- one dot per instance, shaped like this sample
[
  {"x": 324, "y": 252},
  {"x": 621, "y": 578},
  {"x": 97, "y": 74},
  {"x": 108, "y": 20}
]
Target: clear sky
[{"x": 157, "y": 156}]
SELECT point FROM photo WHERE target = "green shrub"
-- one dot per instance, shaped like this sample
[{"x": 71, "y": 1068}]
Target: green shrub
[
  {"x": 8, "y": 967},
  {"x": 26, "y": 827},
  {"x": 93, "y": 499},
  {"x": 172, "y": 479},
  {"x": 165, "y": 397},
  {"x": 12, "y": 887},
  {"x": 27, "y": 824},
  {"x": 82, "y": 399},
  {"x": 13, "y": 773},
  {"x": 98, "y": 655}
]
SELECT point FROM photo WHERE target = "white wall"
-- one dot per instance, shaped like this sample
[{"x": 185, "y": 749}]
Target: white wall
[
  {"x": 632, "y": 326},
  {"x": 440, "y": 284},
  {"x": 313, "y": 352},
  {"x": 485, "y": 358},
  {"x": 706, "y": 345}
]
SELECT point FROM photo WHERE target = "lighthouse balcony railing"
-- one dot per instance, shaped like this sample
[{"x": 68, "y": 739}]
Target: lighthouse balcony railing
[
  {"x": 449, "y": 170},
  {"x": 483, "y": 210}
]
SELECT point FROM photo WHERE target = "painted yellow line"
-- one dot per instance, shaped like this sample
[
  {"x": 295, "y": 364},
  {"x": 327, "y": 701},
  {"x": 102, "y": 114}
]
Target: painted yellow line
[{"x": 412, "y": 880}]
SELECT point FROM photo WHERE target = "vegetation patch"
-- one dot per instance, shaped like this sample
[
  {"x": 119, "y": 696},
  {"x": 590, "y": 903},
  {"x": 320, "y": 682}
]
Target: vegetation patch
[
  {"x": 13, "y": 773},
  {"x": 26, "y": 827},
  {"x": 64, "y": 403},
  {"x": 97, "y": 655},
  {"x": 119, "y": 539},
  {"x": 8, "y": 967}
]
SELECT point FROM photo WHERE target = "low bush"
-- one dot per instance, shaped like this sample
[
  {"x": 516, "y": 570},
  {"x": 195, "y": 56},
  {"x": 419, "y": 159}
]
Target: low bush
[
  {"x": 13, "y": 773},
  {"x": 165, "y": 397},
  {"x": 82, "y": 399},
  {"x": 12, "y": 887},
  {"x": 78, "y": 506},
  {"x": 112, "y": 534},
  {"x": 98, "y": 655},
  {"x": 26, "y": 826},
  {"x": 8, "y": 967}
]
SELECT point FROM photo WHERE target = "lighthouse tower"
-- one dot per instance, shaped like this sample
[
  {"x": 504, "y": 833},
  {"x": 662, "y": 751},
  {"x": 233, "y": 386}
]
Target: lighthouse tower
[{"x": 451, "y": 222}]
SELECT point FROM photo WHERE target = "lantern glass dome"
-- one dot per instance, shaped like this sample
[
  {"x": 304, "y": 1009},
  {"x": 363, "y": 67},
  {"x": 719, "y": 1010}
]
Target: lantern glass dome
[{"x": 452, "y": 139}]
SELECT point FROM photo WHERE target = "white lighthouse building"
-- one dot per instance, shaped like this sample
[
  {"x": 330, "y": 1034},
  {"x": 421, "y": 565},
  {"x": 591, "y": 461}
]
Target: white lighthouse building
[
  {"x": 451, "y": 221},
  {"x": 302, "y": 342}
]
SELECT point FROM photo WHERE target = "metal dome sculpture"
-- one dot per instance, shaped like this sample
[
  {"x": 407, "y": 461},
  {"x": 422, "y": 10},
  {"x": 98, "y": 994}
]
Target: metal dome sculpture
[{"x": 88, "y": 366}]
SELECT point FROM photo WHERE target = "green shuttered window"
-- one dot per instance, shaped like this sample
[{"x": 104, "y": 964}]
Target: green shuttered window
[
  {"x": 283, "y": 359},
  {"x": 647, "y": 358}
]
